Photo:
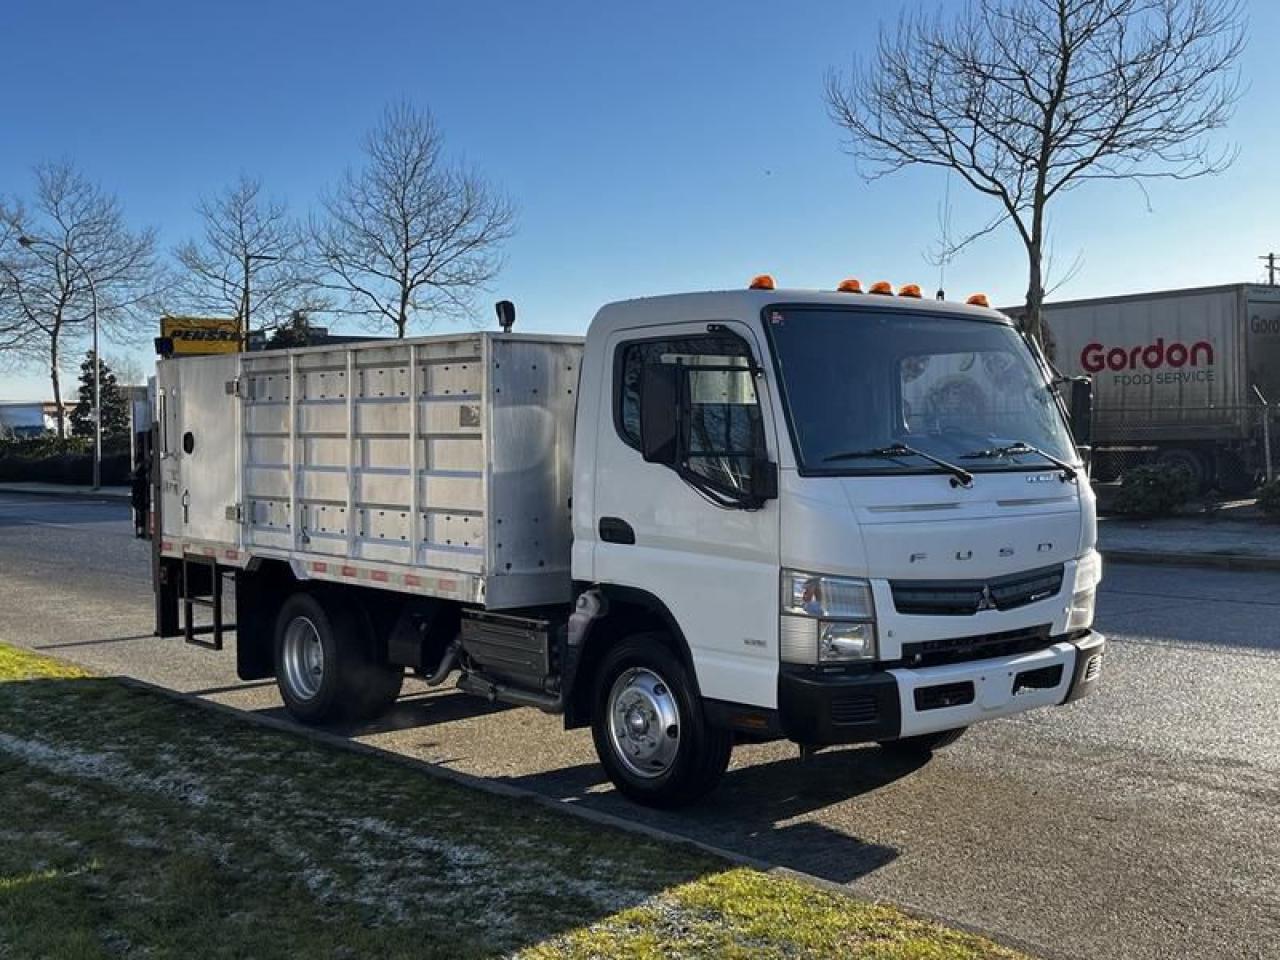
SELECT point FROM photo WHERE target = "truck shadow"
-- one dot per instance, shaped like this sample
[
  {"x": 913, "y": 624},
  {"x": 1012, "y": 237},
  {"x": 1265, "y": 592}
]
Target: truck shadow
[
  {"x": 409, "y": 712},
  {"x": 752, "y": 811}
]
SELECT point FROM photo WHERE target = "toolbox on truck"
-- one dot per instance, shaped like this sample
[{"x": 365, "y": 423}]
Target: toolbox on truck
[{"x": 439, "y": 465}]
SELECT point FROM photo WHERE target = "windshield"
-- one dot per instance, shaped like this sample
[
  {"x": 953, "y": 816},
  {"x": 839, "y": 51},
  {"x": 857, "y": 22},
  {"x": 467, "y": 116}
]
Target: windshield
[{"x": 875, "y": 391}]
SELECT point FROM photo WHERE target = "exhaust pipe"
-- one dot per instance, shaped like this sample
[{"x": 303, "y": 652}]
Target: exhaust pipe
[{"x": 446, "y": 665}]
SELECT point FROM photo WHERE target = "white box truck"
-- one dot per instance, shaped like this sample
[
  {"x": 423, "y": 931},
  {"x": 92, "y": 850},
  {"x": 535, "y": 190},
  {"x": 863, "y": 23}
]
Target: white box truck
[
  {"x": 824, "y": 516},
  {"x": 1177, "y": 376}
]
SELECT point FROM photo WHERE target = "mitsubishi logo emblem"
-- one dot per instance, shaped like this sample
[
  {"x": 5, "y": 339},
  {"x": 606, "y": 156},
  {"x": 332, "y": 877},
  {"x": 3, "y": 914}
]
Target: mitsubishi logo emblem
[{"x": 985, "y": 602}]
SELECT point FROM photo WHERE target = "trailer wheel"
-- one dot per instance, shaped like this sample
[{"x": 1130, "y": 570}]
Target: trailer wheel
[
  {"x": 922, "y": 745},
  {"x": 326, "y": 667},
  {"x": 1198, "y": 466},
  {"x": 650, "y": 732},
  {"x": 1234, "y": 478}
]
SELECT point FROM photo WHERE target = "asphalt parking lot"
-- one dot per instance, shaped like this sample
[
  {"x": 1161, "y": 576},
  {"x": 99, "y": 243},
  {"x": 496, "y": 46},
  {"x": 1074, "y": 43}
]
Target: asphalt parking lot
[{"x": 1141, "y": 823}]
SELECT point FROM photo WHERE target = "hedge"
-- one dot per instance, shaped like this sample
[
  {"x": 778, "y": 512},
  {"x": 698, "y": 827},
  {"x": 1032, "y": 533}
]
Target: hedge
[{"x": 47, "y": 459}]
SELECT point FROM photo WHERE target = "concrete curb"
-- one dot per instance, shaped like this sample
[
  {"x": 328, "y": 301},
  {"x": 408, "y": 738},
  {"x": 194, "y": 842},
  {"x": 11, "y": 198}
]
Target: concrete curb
[
  {"x": 1220, "y": 561},
  {"x": 70, "y": 492},
  {"x": 563, "y": 808}
]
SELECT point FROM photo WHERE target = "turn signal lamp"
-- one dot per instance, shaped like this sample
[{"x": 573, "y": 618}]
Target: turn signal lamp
[
  {"x": 762, "y": 282},
  {"x": 849, "y": 286},
  {"x": 909, "y": 290},
  {"x": 978, "y": 300},
  {"x": 883, "y": 287}
]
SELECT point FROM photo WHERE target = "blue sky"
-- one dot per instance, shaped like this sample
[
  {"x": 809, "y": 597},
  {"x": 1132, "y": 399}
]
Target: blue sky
[{"x": 651, "y": 147}]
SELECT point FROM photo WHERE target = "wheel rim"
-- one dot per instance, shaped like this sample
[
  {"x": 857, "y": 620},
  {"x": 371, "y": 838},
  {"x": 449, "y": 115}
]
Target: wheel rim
[
  {"x": 303, "y": 657},
  {"x": 644, "y": 722}
]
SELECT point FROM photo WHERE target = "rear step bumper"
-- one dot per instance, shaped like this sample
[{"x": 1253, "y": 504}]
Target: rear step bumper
[{"x": 821, "y": 709}]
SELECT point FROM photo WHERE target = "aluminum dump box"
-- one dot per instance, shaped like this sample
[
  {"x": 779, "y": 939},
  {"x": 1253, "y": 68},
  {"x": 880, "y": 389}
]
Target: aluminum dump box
[{"x": 438, "y": 465}]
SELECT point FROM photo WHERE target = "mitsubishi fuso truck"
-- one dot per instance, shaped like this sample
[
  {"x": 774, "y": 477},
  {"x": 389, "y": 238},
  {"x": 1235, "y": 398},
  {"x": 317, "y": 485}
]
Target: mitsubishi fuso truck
[{"x": 831, "y": 517}]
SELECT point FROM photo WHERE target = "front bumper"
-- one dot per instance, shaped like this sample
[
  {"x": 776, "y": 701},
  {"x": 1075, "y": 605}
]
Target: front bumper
[{"x": 818, "y": 709}]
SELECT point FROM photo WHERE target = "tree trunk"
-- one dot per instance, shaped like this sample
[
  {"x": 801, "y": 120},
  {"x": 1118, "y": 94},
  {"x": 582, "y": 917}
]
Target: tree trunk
[
  {"x": 402, "y": 316},
  {"x": 1032, "y": 321},
  {"x": 57, "y": 389}
]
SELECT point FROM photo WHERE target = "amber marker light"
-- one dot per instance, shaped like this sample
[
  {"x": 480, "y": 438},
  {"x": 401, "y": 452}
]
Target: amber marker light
[
  {"x": 761, "y": 282},
  {"x": 883, "y": 287},
  {"x": 910, "y": 290},
  {"x": 849, "y": 286},
  {"x": 978, "y": 300}
]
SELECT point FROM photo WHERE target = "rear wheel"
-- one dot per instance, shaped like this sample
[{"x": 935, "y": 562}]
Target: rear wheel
[
  {"x": 649, "y": 728},
  {"x": 922, "y": 745},
  {"x": 1234, "y": 478},
  {"x": 1200, "y": 468},
  {"x": 326, "y": 666}
]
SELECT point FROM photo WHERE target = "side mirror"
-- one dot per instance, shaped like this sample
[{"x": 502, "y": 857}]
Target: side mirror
[
  {"x": 764, "y": 479},
  {"x": 660, "y": 412},
  {"x": 1080, "y": 409}
]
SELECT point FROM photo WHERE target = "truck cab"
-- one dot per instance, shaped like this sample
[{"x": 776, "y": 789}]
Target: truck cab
[{"x": 847, "y": 517}]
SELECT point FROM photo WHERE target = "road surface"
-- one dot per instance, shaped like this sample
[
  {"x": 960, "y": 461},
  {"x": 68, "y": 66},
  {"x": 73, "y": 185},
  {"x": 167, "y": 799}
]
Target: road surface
[{"x": 1143, "y": 822}]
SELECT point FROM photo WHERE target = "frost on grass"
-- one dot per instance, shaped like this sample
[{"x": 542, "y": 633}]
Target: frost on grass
[
  {"x": 103, "y": 767},
  {"x": 373, "y": 846}
]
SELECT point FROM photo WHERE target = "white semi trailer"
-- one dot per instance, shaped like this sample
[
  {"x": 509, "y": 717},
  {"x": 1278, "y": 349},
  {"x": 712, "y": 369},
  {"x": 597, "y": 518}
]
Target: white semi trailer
[
  {"x": 1179, "y": 377},
  {"x": 831, "y": 517}
]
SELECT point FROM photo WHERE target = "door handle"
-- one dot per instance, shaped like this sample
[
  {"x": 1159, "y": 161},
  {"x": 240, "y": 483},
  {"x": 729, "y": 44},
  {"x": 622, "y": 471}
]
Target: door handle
[{"x": 616, "y": 530}]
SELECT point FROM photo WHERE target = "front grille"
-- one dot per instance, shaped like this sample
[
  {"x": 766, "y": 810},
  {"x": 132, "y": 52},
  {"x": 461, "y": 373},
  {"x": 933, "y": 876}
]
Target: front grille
[
  {"x": 852, "y": 708},
  {"x": 934, "y": 653},
  {"x": 959, "y": 598}
]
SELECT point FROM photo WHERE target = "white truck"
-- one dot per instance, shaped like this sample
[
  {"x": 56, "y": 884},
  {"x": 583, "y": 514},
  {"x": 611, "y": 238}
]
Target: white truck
[{"x": 824, "y": 516}]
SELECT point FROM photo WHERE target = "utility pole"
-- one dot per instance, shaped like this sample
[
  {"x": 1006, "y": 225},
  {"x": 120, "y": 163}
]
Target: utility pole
[
  {"x": 1270, "y": 260},
  {"x": 244, "y": 293}
]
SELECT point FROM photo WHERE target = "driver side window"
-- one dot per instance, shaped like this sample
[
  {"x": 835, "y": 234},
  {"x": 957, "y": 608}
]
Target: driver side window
[{"x": 725, "y": 429}]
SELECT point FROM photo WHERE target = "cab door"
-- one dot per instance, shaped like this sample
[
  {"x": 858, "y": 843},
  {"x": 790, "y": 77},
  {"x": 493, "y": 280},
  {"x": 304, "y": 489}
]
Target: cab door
[{"x": 714, "y": 567}]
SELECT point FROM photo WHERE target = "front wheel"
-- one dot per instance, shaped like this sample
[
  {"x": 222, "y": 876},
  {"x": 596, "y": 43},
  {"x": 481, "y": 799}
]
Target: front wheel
[
  {"x": 923, "y": 745},
  {"x": 649, "y": 728}
]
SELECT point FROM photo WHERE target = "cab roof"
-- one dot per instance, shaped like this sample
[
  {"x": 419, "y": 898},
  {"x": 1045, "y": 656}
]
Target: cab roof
[{"x": 714, "y": 305}]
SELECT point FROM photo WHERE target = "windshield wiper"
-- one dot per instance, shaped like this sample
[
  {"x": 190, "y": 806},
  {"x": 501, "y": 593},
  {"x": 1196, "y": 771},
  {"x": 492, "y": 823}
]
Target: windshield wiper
[
  {"x": 1013, "y": 449},
  {"x": 960, "y": 477}
]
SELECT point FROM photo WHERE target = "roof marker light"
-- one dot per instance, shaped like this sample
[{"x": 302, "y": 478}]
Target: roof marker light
[
  {"x": 850, "y": 285},
  {"x": 882, "y": 287},
  {"x": 909, "y": 290},
  {"x": 978, "y": 300},
  {"x": 761, "y": 282}
]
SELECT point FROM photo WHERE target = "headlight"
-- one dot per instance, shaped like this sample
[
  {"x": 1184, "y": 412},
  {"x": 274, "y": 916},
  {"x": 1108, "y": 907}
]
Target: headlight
[
  {"x": 813, "y": 595},
  {"x": 826, "y": 619},
  {"x": 1085, "y": 594}
]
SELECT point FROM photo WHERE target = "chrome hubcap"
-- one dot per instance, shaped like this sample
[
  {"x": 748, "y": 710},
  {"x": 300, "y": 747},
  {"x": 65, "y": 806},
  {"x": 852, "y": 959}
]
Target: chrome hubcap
[
  {"x": 644, "y": 722},
  {"x": 303, "y": 657}
]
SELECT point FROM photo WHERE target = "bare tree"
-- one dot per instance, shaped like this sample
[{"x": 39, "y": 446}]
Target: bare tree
[
  {"x": 410, "y": 233},
  {"x": 1027, "y": 99},
  {"x": 129, "y": 372},
  {"x": 251, "y": 260},
  {"x": 76, "y": 244}
]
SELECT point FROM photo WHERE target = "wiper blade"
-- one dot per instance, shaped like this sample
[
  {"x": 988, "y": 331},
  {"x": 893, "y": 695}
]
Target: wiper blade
[
  {"x": 959, "y": 475},
  {"x": 1013, "y": 449}
]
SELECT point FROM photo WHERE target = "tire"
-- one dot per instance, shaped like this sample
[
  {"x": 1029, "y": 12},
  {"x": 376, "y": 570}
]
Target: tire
[
  {"x": 1199, "y": 467},
  {"x": 326, "y": 666},
  {"x": 1234, "y": 478},
  {"x": 922, "y": 746},
  {"x": 640, "y": 681}
]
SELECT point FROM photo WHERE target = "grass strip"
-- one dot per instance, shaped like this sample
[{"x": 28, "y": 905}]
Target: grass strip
[{"x": 136, "y": 825}]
